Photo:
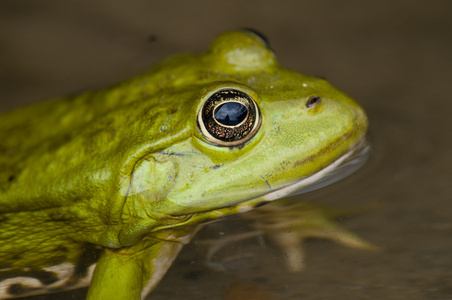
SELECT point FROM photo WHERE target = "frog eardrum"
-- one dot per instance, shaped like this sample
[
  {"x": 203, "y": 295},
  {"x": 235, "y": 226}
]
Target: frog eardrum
[{"x": 229, "y": 117}]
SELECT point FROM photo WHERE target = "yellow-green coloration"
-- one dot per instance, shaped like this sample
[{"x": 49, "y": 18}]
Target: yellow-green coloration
[{"x": 120, "y": 177}]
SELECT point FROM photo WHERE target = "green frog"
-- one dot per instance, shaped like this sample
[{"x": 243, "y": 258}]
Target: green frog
[{"x": 104, "y": 188}]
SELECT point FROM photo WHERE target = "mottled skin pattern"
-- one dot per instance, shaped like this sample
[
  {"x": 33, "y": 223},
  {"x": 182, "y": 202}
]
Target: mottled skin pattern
[{"x": 120, "y": 177}]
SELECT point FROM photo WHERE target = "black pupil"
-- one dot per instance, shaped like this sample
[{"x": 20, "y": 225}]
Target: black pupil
[{"x": 230, "y": 113}]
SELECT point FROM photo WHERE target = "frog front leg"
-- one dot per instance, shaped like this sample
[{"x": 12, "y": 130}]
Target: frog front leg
[
  {"x": 118, "y": 275},
  {"x": 133, "y": 272}
]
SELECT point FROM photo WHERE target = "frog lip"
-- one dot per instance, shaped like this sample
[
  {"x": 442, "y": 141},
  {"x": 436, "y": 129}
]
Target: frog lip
[
  {"x": 339, "y": 169},
  {"x": 346, "y": 164},
  {"x": 343, "y": 166}
]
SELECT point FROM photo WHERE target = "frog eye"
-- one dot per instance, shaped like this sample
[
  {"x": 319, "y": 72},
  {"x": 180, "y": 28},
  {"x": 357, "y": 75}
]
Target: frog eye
[{"x": 229, "y": 117}]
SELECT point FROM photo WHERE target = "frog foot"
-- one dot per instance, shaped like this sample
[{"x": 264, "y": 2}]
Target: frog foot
[{"x": 287, "y": 225}]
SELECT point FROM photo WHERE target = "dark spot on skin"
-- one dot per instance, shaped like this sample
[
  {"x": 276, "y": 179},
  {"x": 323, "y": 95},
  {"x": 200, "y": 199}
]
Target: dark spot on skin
[
  {"x": 90, "y": 255},
  {"x": 16, "y": 289},
  {"x": 45, "y": 277},
  {"x": 11, "y": 178}
]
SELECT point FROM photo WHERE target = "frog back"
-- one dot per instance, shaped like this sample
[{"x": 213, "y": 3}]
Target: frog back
[{"x": 49, "y": 150}]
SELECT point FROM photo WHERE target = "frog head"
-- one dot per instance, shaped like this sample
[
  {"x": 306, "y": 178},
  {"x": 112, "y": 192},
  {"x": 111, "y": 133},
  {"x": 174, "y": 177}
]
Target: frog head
[{"x": 234, "y": 130}]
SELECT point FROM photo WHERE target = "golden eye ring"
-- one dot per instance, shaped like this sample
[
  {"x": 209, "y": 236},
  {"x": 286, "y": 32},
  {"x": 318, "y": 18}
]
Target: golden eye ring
[{"x": 229, "y": 117}]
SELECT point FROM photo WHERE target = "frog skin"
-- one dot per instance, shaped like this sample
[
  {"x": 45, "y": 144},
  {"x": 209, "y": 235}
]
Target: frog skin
[{"x": 104, "y": 188}]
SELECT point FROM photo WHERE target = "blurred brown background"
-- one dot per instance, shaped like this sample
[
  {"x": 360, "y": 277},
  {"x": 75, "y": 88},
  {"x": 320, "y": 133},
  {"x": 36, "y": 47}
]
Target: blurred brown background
[{"x": 394, "y": 57}]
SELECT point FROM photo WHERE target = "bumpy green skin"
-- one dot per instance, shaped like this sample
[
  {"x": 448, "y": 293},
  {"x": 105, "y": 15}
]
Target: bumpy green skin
[{"x": 123, "y": 171}]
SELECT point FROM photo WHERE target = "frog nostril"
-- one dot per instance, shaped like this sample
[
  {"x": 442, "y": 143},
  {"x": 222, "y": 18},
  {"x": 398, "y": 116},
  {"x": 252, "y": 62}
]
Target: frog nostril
[{"x": 314, "y": 100}]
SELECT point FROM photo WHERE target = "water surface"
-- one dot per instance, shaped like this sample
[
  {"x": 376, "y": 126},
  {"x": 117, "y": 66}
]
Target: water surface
[{"x": 394, "y": 57}]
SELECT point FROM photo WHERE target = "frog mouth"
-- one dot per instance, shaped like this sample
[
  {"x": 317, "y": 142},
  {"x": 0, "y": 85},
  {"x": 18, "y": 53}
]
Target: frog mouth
[{"x": 339, "y": 169}]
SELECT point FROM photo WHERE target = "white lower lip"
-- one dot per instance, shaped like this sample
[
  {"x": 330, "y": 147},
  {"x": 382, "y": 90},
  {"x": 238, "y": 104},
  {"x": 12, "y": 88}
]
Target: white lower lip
[{"x": 311, "y": 183}]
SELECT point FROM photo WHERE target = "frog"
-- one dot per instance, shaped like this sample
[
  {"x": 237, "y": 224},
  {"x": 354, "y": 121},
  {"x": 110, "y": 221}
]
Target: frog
[{"x": 103, "y": 189}]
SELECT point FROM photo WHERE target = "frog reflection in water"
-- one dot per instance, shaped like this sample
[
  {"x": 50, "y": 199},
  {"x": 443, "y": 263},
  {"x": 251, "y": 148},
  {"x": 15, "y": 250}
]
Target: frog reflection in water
[{"x": 103, "y": 189}]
